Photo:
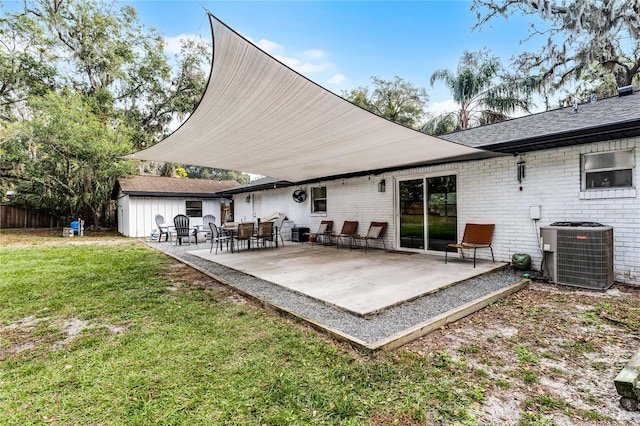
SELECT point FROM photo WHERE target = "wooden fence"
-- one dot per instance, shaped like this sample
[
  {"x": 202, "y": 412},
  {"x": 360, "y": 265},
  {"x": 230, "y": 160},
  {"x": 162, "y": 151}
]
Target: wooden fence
[{"x": 16, "y": 217}]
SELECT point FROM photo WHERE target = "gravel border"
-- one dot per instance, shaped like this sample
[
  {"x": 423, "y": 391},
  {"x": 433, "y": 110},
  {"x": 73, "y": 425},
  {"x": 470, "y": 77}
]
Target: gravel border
[{"x": 370, "y": 329}]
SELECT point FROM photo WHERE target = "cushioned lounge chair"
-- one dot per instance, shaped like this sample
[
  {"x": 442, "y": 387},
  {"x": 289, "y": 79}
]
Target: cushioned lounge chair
[
  {"x": 323, "y": 234},
  {"x": 375, "y": 233}
]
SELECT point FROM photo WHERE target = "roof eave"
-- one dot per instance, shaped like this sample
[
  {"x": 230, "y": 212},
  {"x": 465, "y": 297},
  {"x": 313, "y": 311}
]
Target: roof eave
[
  {"x": 172, "y": 194},
  {"x": 249, "y": 188},
  {"x": 620, "y": 130}
]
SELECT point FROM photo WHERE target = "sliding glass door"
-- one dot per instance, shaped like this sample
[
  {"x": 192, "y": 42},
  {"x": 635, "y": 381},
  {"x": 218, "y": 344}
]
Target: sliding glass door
[
  {"x": 428, "y": 212},
  {"x": 412, "y": 218},
  {"x": 442, "y": 212}
]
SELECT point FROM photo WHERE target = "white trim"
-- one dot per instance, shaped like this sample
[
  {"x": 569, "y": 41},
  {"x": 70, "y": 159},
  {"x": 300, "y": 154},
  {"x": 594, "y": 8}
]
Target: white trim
[
  {"x": 600, "y": 194},
  {"x": 396, "y": 208}
]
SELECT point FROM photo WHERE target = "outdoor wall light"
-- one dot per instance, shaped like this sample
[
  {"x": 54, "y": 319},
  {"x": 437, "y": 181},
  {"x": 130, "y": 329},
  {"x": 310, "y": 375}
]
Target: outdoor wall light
[
  {"x": 521, "y": 170},
  {"x": 382, "y": 186},
  {"x": 248, "y": 199}
]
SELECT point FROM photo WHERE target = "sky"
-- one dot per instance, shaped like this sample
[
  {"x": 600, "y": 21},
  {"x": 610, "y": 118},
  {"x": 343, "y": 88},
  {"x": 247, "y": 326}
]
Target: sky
[{"x": 340, "y": 45}]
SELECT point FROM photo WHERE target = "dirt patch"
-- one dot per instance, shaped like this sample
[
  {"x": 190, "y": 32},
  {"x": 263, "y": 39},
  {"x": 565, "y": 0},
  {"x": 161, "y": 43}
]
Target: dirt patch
[
  {"x": 29, "y": 237},
  {"x": 547, "y": 355},
  {"x": 32, "y": 332},
  {"x": 182, "y": 277},
  {"x": 237, "y": 299}
]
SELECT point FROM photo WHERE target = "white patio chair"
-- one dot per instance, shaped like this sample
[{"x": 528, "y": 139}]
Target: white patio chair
[{"x": 163, "y": 228}]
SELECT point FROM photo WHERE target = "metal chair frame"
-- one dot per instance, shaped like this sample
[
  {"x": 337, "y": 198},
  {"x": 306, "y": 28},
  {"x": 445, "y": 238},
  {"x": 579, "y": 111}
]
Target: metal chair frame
[{"x": 217, "y": 238}]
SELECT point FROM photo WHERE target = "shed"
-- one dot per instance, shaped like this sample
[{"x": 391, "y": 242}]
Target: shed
[{"x": 140, "y": 198}]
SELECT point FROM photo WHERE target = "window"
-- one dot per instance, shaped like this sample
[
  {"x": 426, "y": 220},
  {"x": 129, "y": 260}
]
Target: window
[
  {"x": 608, "y": 170},
  {"x": 194, "y": 208},
  {"x": 319, "y": 199}
]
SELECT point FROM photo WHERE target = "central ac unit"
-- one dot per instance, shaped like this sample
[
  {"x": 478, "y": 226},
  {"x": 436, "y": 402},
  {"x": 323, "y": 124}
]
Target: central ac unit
[{"x": 578, "y": 254}]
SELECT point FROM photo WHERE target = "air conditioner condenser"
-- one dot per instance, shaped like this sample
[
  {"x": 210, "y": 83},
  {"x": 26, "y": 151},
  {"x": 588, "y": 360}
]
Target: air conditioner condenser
[{"x": 578, "y": 254}]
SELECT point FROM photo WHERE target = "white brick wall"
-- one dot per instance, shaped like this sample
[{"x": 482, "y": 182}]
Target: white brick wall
[
  {"x": 488, "y": 192},
  {"x": 349, "y": 199}
]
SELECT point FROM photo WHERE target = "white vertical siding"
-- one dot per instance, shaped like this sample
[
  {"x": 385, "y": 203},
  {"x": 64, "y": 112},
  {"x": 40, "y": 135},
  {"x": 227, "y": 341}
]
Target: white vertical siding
[{"x": 139, "y": 213}]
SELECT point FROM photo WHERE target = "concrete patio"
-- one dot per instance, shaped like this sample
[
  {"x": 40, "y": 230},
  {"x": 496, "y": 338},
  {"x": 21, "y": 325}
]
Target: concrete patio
[
  {"x": 374, "y": 300},
  {"x": 362, "y": 284}
]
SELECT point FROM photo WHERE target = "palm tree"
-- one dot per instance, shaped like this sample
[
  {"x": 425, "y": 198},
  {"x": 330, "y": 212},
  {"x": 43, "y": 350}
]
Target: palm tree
[
  {"x": 441, "y": 124},
  {"x": 483, "y": 94}
]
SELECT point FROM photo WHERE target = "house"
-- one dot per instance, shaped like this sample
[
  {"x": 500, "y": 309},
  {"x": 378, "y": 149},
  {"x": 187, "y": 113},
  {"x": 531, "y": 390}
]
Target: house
[
  {"x": 331, "y": 160},
  {"x": 570, "y": 166},
  {"x": 141, "y": 198}
]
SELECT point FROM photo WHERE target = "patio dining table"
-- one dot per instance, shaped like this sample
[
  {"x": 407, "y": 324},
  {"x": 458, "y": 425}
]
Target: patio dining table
[{"x": 231, "y": 231}]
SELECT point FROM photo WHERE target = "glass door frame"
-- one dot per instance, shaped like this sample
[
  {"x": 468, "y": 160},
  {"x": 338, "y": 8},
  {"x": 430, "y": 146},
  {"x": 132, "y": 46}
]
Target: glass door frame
[{"x": 425, "y": 201}]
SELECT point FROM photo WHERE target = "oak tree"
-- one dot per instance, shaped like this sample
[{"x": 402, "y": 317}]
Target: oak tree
[
  {"x": 396, "y": 100},
  {"x": 588, "y": 43}
]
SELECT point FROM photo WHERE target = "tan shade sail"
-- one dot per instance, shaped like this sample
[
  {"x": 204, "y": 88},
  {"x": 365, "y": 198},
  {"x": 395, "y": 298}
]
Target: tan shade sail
[{"x": 259, "y": 116}]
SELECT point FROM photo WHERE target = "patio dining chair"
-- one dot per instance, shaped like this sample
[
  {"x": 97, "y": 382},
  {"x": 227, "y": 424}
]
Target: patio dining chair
[
  {"x": 217, "y": 238},
  {"x": 277, "y": 229},
  {"x": 349, "y": 229},
  {"x": 183, "y": 229},
  {"x": 265, "y": 233},
  {"x": 163, "y": 228},
  {"x": 244, "y": 233},
  {"x": 375, "y": 233}
]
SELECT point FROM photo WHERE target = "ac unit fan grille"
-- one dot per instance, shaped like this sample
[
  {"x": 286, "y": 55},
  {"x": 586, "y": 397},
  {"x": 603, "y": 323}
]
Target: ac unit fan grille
[{"x": 585, "y": 258}]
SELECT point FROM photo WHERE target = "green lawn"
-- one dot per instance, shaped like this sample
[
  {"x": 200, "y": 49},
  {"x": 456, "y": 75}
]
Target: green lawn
[{"x": 159, "y": 347}]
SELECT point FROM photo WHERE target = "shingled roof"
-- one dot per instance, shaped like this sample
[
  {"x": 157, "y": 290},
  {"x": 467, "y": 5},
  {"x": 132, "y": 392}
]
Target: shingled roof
[
  {"x": 258, "y": 185},
  {"x": 605, "y": 119},
  {"x": 158, "y": 186}
]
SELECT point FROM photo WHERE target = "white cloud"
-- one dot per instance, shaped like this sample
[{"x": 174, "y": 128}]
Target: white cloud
[
  {"x": 312, "y": 63},
  {"x": 270, "y": 47},
  {"x": 290, "y": 62},
  {"x": 308, "y": 68},
  {"x": 336, "y": 79},
  {"x": 314, "y": 54},
  {"x": 174, "y": 44},
  {"x": 438, "y": 108}
]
